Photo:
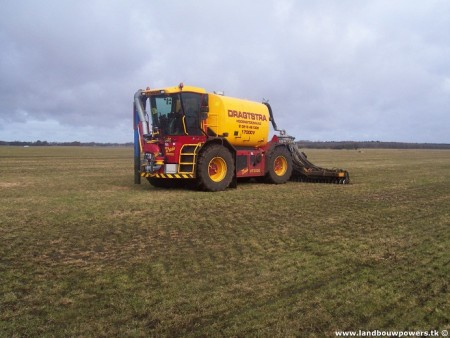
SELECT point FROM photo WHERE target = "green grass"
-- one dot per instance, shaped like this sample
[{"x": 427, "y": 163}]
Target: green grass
[{"x": 85, "y": 252}]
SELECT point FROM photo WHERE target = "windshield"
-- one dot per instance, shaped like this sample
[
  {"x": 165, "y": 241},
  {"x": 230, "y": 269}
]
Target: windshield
[{"x": 176, "y": 114}]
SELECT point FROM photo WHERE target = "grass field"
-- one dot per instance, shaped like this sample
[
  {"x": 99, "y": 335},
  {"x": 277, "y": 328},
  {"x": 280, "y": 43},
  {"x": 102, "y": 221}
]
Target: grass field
[{"x": 85, "y": 252}]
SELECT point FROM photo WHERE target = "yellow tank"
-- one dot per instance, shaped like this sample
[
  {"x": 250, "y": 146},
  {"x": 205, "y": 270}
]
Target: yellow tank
[{"x": 241, "y": 122}]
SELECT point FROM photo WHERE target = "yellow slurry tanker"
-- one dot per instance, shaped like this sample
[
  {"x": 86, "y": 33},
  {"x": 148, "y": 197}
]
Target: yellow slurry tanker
[{"x": 183, "y": 134}]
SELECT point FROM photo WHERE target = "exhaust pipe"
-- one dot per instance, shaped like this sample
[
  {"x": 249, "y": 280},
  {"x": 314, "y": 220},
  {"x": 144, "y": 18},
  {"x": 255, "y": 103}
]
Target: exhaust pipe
[
  {"x": 139, "y": 104},
  {"x": 274, "y": 125}
]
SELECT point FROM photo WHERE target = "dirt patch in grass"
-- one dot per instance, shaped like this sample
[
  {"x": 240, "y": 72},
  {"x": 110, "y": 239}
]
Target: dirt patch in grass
[{"x": 8, "y": 185}]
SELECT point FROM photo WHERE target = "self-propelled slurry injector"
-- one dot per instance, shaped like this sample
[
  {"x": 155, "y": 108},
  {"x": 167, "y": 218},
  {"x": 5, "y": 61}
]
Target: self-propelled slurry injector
[{"x": 185, "y": 134}]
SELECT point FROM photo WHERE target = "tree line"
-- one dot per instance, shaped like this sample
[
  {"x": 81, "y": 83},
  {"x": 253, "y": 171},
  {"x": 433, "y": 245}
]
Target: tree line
[
  {"x": 369, "y": 145},
  {"x": 351, "y": 145},
  {"x": 40, "y": 143}
]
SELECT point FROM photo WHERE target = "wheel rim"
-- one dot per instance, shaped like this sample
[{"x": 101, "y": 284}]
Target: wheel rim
[
  {"x": 217, "y": 169},
  {"x": 280, "y": 165}
]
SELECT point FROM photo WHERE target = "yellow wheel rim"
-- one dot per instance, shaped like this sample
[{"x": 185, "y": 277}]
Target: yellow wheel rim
[
  {"x": 280, "y": 165},
  {"x": 217, "y": 169}
]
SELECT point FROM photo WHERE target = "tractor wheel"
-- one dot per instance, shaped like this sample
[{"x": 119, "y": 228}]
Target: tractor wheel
[
  {"x": 279, "y": 166},
  {"x": 215, "y": 168}
]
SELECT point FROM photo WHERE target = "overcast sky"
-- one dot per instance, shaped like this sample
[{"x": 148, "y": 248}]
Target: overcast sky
[{"x": 332, "y": 70}]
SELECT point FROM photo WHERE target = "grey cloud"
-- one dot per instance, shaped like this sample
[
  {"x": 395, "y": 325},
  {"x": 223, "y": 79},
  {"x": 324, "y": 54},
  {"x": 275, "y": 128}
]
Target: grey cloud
[{"x": 332, "y": 70}]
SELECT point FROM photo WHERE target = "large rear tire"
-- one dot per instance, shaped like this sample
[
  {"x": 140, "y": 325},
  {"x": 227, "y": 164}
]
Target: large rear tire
[
  {"x": 279, "y": 166},
  {"x": 215, "y": 168}
]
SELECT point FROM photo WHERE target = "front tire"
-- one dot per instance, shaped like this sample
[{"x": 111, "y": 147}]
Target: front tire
[
  {"x": 279, "y": 166},
  {"x": 215, "y": 168}
]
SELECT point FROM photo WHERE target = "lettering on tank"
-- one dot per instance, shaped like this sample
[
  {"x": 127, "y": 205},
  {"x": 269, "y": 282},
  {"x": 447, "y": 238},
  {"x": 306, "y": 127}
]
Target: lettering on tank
[{"x": 247, "y": 120}]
